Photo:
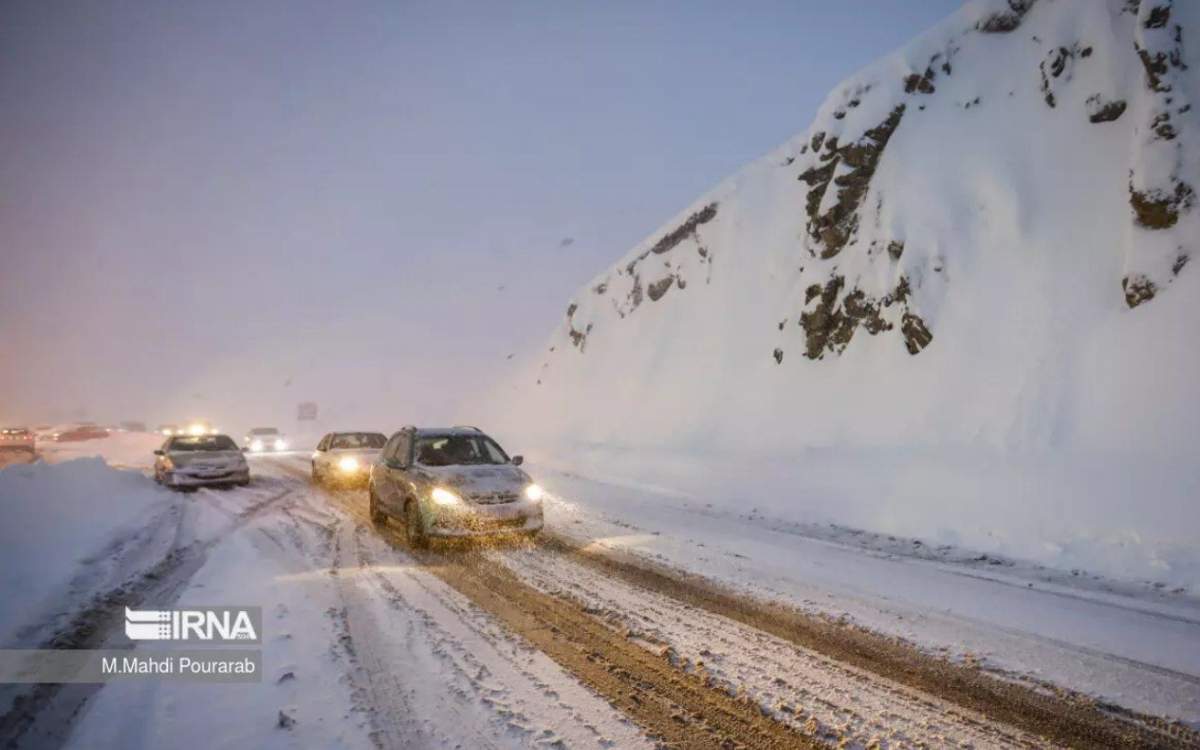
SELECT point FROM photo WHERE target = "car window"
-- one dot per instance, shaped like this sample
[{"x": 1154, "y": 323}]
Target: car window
[
  {"x": 458, "y": 450},
  {"x": 201, "y": 443},
  {"x": 357, "y": 440},
  {"x": 389, "y": 450}
]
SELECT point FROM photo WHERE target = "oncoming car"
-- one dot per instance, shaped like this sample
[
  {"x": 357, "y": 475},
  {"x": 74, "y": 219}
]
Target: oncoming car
[
  {"x": 452, "y": 482},
  {"x": 346, "y": 457},
  {"x": 262, "y": 439},
  {"x": 17, "y": 439},
  {"x": 187, "y": 461}
]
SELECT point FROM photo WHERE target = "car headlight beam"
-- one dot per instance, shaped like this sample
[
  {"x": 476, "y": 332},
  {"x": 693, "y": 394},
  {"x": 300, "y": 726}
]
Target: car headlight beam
[
  {"x": 348, "y": 464},
  {"x": 256, "y": 445},
  {"x": 280, "y": 444},
  {"x": 534, "y": 493},
  {"x": 444, "y": 497}
]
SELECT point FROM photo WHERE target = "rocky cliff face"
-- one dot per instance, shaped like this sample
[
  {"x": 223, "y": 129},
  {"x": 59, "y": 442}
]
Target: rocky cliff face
[{"x": 1007, "y": 199}]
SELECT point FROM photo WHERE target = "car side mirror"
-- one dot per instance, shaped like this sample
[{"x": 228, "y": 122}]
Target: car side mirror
[
  {"x": 518, "y": 460},
  {"x": 159, "y": 452}
]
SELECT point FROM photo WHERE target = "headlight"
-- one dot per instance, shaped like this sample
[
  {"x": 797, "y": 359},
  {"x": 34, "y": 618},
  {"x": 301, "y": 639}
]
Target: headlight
[
  {"x": 168, "y": 464},
  {"x": 348, "y": 464},
  {"x": 280, "y": 444},
  {"x": 196, "y": 429},
  {"x": 442, "y": 496},
  {"x": 256, "y": 445},
  {"x": 534, "y": 492}
]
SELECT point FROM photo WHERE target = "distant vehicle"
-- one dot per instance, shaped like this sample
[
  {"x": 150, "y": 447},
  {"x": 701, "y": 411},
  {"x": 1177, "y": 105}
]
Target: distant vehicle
[
  {"x": 198, "y": 427},
  {"x": 188, "y": 461},
  {"x": 263, "y": 439},
  {"x": 452, "y": 482},
  {"x": 133, "y": 426},
  {"x": 169, "y": 429},
  {"x": 17, "y": 439},
  {"x": 346, "y": 457},
  {"x": 81, "y": 432}
]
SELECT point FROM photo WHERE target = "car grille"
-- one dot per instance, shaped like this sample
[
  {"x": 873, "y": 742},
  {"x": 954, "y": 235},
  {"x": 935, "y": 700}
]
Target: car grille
[{"x": 495, "y": 498}]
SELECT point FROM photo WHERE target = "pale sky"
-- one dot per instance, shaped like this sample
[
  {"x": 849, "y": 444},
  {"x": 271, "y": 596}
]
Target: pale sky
[{"x": 218, "y": 209}]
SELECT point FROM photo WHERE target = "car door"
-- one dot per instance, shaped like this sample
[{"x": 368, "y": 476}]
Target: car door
[
  {"x": 394, "y": 464},
  {"x": 381, "y": 480},
  {"x": 321, "y": 459}
]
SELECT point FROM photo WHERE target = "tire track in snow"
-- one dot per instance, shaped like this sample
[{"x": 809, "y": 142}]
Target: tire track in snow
[
  {"x": 826, "y": 700},
  {"x": 1067, "y": 719},
  {"x": 42, "y": 715},
  {"x": 677, "y": 709}
]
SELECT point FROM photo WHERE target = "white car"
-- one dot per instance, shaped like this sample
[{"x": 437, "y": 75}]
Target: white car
[
  {"x": 264, "y": 440},
  {"x": 189, "y": 461},
  {"x": 346, "y": 457}
]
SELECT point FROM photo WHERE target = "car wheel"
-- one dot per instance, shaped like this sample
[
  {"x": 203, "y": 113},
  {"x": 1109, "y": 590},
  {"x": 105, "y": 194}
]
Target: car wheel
[
  {"x": 378, "y": 518},
  {"x": 316, "y": 476},
  {"x": 412, "y": 526}
]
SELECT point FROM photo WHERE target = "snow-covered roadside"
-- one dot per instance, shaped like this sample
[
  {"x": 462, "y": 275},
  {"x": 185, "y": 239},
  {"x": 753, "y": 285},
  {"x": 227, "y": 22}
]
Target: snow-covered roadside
[
  {"x": 1138, "y": 650},
  {"x": 134, "y": 450},
  {"x": 68, "y": 528},
  {"x": 303, "y": 699}
]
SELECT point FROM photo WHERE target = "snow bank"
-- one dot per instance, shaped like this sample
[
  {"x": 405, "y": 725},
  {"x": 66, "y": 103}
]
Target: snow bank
[
  {"x": 55, "y": 518},
  {"x": 123, "y": 449},
  {"x": 961, "y": 305}
]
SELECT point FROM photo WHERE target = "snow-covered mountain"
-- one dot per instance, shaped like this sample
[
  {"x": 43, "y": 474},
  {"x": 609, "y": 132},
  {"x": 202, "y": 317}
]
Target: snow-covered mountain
[{"x": 963, "y": 303}]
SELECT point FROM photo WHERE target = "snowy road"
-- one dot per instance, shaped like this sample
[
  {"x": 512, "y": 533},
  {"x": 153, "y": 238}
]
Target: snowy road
[{"x": 568, "y": 643}]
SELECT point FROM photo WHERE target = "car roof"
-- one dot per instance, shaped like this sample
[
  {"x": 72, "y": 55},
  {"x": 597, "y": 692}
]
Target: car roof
[
  {"x": 198, "y": 437},
  {"x": 440, "y": 431}
]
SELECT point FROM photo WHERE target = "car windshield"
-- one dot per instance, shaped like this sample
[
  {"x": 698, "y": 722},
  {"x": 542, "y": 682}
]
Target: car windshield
[
  {"x": 264, "y": 431},
  {"x": 358, "y": 440},
  {"x": 458, "y": 450},
  {"x": 202, "y": 443}
]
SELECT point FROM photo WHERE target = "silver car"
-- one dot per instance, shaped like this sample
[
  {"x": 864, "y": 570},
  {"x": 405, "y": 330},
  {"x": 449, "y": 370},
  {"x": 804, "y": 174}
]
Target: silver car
[
  {"x": 189, "y": 461},
  {"x": 451, "y": 483},
  {"x": 346, "y": 457}
]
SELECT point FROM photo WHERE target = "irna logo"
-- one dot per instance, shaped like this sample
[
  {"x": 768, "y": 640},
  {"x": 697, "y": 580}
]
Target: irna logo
[{"x": 214, "y": 624}]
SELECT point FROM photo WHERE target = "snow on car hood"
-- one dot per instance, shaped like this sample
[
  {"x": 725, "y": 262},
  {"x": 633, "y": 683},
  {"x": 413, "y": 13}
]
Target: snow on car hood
[
  {"x": 479, "y": 480},
  {"x": 207, "y": 458}
]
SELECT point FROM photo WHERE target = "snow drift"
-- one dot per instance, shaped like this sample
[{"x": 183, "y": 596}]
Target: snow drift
[
  {"x": 960, "y": 305},
  {"x": 58, "y": 522}
]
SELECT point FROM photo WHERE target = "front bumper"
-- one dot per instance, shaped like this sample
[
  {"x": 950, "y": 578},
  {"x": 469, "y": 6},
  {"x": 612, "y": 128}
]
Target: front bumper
[
  {"x": 487, "y": 520},
  {"x": 179, "y": 478},
  {"x": 359, "y": 476}
]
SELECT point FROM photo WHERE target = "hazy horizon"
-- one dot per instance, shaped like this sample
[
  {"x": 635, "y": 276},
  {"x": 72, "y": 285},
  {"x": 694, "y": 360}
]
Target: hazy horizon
[{"x": 220, "y": 210}]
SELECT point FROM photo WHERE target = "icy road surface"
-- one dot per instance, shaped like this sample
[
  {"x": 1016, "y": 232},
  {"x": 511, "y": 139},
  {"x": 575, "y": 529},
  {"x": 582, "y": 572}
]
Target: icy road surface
[
  {"x": 1134, "y": 645},
  {"x": 563, "y": 644}
]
